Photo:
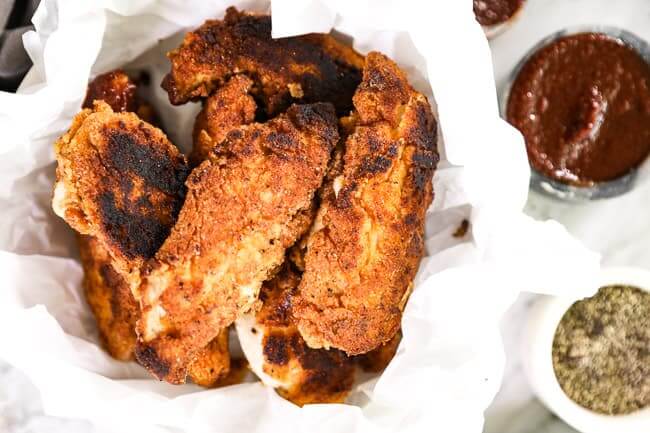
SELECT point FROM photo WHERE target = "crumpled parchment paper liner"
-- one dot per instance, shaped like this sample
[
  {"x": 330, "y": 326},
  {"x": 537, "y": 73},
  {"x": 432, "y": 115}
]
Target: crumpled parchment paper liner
[{"x": 449, "y": 364}]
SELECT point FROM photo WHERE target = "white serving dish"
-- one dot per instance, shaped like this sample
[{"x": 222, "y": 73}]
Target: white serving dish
[{"x": 538, "y": 363}]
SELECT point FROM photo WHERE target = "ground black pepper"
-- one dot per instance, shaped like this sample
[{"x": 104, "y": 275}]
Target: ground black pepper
[{"x": 601, "y": 351}]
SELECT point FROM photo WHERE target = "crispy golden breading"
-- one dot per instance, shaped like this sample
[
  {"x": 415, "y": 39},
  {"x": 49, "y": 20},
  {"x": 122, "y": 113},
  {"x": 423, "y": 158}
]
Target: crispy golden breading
[
  {"x": 110, "y": 299},
  {"x": 307, "y": 375},
  {"x": 120, "y": 180},
  {"x": 212, "y": 363},
  {"x": 245, "y": 206},
  {"x": 361, "y": 261},
  {"x": 226, "y": 109},
  {"x": 303, "y": 69}
]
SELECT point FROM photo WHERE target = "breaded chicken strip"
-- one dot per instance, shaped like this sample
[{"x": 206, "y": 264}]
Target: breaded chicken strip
[
  {"x": 363, "y": 256},
  {"x": 279, "y": 355},
  {"x": 121, "y": 181},
  {"x": 303, "y": 69},
  {"x": 121, "y": 93},
  {"x": 116, "y": 313},
  {"x": 110, "y": 299},
  {"x": 245, "y": 206},
  {"x": 378, "y": 359},
  {"x": 226, "y": 109},
  {"x": 107, "y": 291}
]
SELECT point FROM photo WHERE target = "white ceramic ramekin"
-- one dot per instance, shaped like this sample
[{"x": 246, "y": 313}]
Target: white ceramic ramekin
[{"x": 538, "y": 363}]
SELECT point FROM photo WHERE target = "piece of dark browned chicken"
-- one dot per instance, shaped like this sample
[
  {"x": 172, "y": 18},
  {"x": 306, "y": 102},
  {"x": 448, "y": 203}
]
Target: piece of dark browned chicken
[
  {"x": 245, "y": 206},
  {"x": 121, "y": 181},
  {"x": 368, "y": 239},
  {"x": 106, "y": 289},
  {"x": 282, "y": 359},
  {"x": 110, "y": 299},
  {"x": 121, "y": 93},
  {"x": 302, "y": 69},
  {"x": 378, "y": 359},
  {"x": 227, "y": 108},
  {"x": 116, "y": 313}
]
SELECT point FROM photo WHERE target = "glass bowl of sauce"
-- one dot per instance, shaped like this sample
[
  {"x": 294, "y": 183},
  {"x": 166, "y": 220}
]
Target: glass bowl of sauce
[
  {"x": 496, "y": 15},
  {"x": 581, "y": 98}
]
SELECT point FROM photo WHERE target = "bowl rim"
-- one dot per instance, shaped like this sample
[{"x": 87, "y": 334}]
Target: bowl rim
[
  {"x": 554, "y": 188},
  {"x": 493, "y": 30},
  {"x": 539, "y": 333}
]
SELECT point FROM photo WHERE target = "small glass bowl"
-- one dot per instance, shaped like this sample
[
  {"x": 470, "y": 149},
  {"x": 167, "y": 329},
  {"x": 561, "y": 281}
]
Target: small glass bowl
[{"x": 600, "y": 190}]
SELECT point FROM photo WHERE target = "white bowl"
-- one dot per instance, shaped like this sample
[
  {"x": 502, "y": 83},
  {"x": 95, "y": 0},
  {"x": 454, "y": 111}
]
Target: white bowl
[{"x": 538, "y": 363}]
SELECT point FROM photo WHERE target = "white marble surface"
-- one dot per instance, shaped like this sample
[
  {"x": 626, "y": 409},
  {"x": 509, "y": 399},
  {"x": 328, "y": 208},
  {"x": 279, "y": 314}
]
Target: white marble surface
[{"x": 615, "y": 228}]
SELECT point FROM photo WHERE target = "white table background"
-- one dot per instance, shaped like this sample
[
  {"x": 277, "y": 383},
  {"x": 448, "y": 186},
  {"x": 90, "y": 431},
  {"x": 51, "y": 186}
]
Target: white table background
[{"x": 616, "y": 228}]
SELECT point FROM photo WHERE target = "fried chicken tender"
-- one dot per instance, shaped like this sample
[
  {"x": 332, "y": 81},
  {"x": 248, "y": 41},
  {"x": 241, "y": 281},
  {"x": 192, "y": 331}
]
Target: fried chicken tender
[
  {"x": 302, "y": 69},
  {"x": 282, "y": 358},
  {"x": 121, "y": 93},
  {"x": 378, "y": 359},
  {"x": 116, "y": 313},
  {"x": 226, "y": 109},
  {"x": 245, "y": 206},
  {"x": 110, "y": 299},
  {"x": 106, "y": 289},
  {"x": 211, "y": 365},
  {"x": 363, "y": 256},
  {"x": 121, "y": 181}
]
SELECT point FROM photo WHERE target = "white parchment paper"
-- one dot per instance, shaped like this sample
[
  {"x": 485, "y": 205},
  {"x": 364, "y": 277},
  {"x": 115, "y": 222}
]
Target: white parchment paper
[{"x": 449, "y": 364}]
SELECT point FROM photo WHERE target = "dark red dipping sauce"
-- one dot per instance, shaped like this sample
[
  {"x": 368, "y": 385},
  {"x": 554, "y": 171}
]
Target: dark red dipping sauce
[
  {"x": 583, "y": 105},
  {"x": 492, "y": 12}
]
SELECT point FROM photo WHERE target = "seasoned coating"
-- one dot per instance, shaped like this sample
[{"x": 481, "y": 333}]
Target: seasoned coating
[
  {"x": 361, "y": 261},
  {"x": 120, "y": 180},
  {"x": 245, "y": 206},
  {"x": 110, "y": 299},
  {"x": 298, "y": 373},
  {"x": 226, "y": 109},
  {"x": 107, "y": 289},
  {"x": 121, "y": 94},
  {"x": 212, "y": 362},
  {"x": 302, "y": 69}
]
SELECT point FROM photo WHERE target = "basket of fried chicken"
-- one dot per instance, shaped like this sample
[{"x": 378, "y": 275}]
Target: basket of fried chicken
[{"x": 296, "y": 222}]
